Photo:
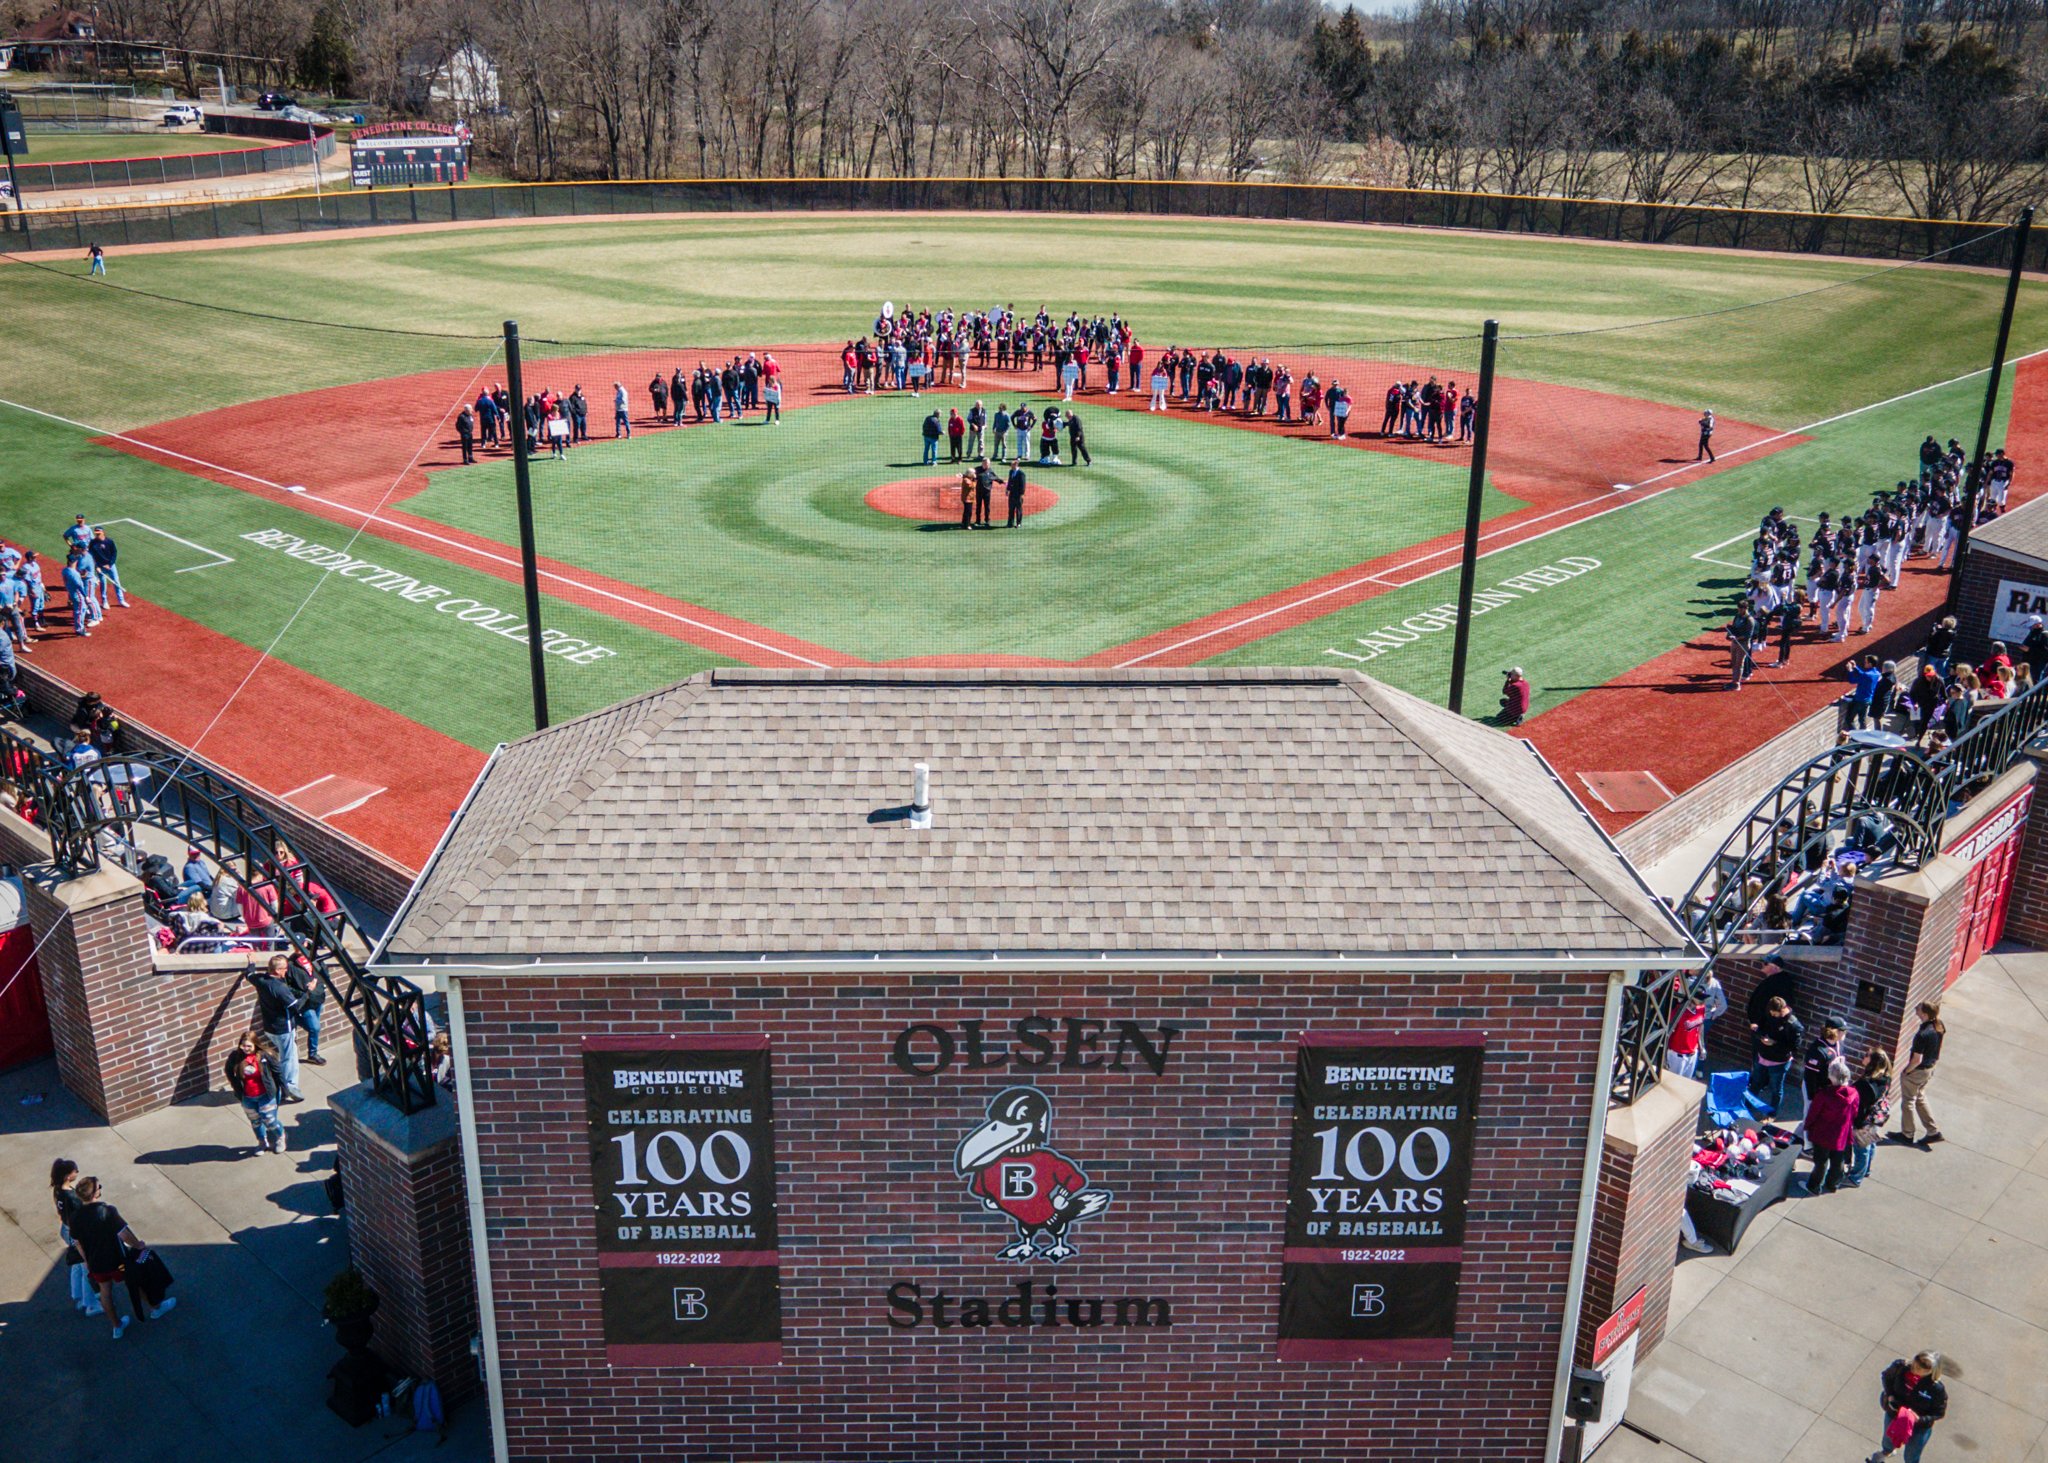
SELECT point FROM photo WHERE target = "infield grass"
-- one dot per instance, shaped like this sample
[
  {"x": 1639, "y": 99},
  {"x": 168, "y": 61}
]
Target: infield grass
[{"x": 1175, "y": 518}]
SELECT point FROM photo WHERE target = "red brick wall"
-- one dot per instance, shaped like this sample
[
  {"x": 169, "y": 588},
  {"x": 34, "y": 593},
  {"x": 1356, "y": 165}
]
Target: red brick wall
[
  {"x": 1643, "y": 1171},
  {"x": 130, "y": 1037},
  {"x": 408, "y": 1235},
  {"x": 1197, "y": 1159}
]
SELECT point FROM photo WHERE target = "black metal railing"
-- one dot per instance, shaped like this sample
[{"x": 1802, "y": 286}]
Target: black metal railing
[
  {"x": 1892, "y": 801},
  {"x": 1993, "y": 742},
  {"x": 91, "y": 814}
]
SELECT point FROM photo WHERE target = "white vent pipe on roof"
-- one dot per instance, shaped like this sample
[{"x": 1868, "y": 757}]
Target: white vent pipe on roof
[{"x": 921, "y": 796}]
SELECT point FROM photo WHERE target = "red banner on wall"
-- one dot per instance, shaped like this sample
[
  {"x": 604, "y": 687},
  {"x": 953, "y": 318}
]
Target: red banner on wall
[{"x": 682, "y": 1165}]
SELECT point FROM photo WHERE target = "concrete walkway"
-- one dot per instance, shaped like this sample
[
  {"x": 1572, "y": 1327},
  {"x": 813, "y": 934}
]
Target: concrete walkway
[
  {"x": 240, "y": 1366},
  {"x": 1774, "y": 1352}
]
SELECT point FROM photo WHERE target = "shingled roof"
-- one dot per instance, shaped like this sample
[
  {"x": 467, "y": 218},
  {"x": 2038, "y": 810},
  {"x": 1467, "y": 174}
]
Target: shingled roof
[
  {"x": 2021, "y": 534},
  {"x": 747, "y": 813}
]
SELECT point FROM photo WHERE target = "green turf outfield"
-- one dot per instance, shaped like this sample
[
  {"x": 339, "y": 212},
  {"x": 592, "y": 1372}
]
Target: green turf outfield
[
  {"x": 1178, "y": 519},
  {"x": 735, "y": 280},
  {"x": 1175, "y": 519},
  {"x": 86, "y": 147}
]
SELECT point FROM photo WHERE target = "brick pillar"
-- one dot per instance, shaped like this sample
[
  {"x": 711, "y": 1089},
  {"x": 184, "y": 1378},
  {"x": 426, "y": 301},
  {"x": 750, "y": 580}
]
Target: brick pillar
[
  {"x": 2026, "y": 917},
  {"x": 1643, "y": 1172},
  {"x": 133, "y": 1033},
  {"x": 1902, "y": 933},
  {"x": 408, "y": 1233}
]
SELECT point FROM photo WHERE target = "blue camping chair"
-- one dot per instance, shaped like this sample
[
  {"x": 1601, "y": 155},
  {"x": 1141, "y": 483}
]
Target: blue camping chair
[{"x": 1726, "y": 1104}]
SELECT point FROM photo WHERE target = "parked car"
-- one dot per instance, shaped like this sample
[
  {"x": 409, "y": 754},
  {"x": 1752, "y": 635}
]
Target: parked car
[
  {"x": 183, "y": 114},
  {"x": 276, "y": 101}
]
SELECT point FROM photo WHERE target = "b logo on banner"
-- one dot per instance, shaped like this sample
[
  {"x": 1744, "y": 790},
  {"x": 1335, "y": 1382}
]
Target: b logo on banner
[{"x": 690, "y": 1304}]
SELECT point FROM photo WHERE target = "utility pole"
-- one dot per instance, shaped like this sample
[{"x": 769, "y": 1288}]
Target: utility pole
[
  {"x": 1468, "y": 565},
  {"x": 1975, "y": 481},
  {"x": 529, "y": 563}
]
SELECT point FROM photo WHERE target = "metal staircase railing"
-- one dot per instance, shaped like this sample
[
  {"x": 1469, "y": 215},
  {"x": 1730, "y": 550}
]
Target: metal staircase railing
[
  {"x": 91, "y": 814},
  {"x": 1895, "y": 799}
]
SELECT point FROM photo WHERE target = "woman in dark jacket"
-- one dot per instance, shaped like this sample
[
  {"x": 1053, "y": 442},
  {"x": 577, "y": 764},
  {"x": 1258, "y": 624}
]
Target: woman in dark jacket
[
  {"x": 254, "y": 1077},
  {"x": 1913, "y": 1386},
  {"x": 64, "y": 1194},
  {"x": 1778, "y": 1037}
]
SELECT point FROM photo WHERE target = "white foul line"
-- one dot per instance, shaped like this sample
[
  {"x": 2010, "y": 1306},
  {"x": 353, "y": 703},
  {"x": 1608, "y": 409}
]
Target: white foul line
[
  {"x": 459, "y": 547},
  {"x": 1350, "y": 584},
  {"x": 218, "y": 556},
  {"x": 324, "y": 777}
]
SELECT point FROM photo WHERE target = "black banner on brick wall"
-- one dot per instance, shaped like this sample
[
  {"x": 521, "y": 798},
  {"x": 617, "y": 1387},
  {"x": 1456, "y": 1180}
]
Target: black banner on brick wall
[
  {"x": 1383, "y": 1137},
  {"x": 682, "y": 1165}
]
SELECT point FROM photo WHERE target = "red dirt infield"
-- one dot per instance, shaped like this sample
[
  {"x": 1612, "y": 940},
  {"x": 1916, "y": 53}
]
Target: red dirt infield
[
  {"x": 1559, "y": 449},
  {"x": 937, "y": 500}
]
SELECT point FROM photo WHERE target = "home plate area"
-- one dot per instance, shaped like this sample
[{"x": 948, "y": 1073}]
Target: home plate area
[{"x": 331, "y": 796}]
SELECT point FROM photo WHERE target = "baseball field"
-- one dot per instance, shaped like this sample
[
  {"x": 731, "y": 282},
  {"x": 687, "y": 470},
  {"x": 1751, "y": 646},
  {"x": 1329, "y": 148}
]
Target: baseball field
[{"x": 327, "y": 598}]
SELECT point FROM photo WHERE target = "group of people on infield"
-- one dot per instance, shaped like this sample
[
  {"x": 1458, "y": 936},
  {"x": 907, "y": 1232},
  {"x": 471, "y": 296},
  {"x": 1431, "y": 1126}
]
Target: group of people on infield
[{"x": 91, "y": 576}]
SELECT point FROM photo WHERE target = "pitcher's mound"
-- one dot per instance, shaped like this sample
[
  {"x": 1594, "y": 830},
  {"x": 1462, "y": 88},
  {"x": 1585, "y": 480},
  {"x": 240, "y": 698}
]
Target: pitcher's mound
[{"x": 937, "y": 500}]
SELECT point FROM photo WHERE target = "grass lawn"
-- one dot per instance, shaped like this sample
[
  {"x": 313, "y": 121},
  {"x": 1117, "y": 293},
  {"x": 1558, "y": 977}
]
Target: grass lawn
[
  {"x": 404, "y": 654},
  {"x": 1650, "y": 593},
  {"x": 713, "y": 280},
  {"x": 1175, "y": 519},
  {"x": 83, "y": 147}
]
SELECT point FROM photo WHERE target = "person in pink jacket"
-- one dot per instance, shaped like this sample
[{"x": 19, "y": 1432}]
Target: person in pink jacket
[{"x": 1830, "y": 1129}]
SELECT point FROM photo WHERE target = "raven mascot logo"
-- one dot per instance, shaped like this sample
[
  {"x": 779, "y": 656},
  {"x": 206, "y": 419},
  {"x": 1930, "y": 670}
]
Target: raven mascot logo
[{"x": 1009, "y": 1166}]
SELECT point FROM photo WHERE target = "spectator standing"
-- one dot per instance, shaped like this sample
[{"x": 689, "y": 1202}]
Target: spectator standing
[
  {"x": 1777, "y": 1040},
  {"x": 1688, "y": 1034},
  {"x": 64, "y": 1194},
  {"x": 1706, "y": 447},
  {"x": 1014, "y": 490},
  {"x": 256, "y": 1079},
  {"x": 956, "y": 436},
  {"x": 999, "y": 428},
  {"x": 932, "y": 430},
  {"x": 311, "y": 992},
  {"x": 977, "y": 430},
  {"x": 1873, "y": 1106},
  {"x": 622, "y": 416},
  {"x": 465, "y": 432},
  {"x": 1918, "y": 1072},
  {"x": 105, "y": 1240},
  {"x": 1741, "y": 634},
  {"x": 277, "y": 1006},
  {"x": 1077, "y": 441},
  {"x": 1911, "y": 1387},
  {"x": 1830, "y": 1125}
]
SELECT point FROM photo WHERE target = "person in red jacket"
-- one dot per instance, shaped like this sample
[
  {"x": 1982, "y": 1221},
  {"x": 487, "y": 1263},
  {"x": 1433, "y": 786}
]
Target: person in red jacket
[
  {"x": 254, "y": 1077},
  {"x": 1514, "y": 697},
  {"x": 1683, "y": 1054},
  {"x": 1831, "y": 1128}
]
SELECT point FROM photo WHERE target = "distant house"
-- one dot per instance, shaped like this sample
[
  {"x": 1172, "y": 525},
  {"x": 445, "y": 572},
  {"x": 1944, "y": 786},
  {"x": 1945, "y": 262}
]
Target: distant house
[
  {"x": 460, "y": 79},
  {"x": 57, "y": 40}
]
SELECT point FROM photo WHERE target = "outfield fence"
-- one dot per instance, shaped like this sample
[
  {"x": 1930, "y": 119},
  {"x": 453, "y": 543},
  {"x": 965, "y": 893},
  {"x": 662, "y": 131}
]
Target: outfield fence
[
  {"x": 184, "y": 167},
  {"x": 1855, "y": 235}
]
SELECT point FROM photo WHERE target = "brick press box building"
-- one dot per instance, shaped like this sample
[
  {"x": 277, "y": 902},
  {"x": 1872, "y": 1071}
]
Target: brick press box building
[{"x": 1213, "y": 1065}]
